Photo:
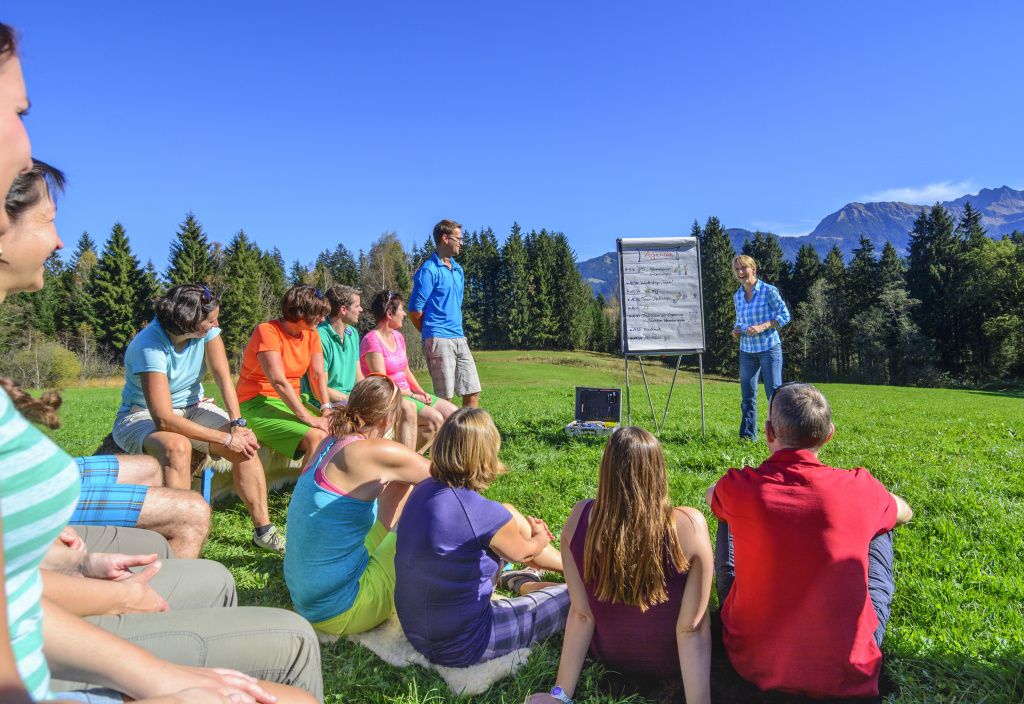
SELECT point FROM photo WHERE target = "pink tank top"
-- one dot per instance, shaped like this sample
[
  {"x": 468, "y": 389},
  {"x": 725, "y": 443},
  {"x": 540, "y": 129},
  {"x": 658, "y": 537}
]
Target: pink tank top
[{"x": 327, "y": 450}]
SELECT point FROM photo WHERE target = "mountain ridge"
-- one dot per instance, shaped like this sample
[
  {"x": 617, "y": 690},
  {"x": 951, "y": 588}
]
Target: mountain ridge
[{"x": 1002, "y": 212}]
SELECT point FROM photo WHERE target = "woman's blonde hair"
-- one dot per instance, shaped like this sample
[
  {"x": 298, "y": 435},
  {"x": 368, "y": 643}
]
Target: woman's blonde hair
[
  {"x": 465, "y": 451},
  {"x": 632, "y": 528},
  {"x": 747, "y": 260},
  {"x": 372, "y": 400}
]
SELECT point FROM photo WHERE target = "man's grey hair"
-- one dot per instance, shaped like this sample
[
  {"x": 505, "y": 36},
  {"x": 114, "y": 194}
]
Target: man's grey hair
[{"x": 800, "y": 415}]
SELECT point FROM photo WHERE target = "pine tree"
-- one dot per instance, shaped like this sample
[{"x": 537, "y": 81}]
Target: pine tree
[
  {"x": 243, "y": 302},
  {"x": 489, "y": 264},
  {"x": 935, "y": 276},
  {"x": 891, "y": 269},
  {"x": 77, "y": 314},
  {"x": 543, "y": 324},
  {"x": 572, "y": 295},
  {"x": 806, "y": 270},
  {"x": 191, "y": 260},
  {"x": 340, "y": 265},
  {"x": 273, "y": 283},
  {"x": 716, "y": 255},
  {"x": 150, "y": 288},
  {"x": 862, "y": 277},
  {"x": 836, "y": 292},
  {"x": 514, "y": 292},
  {"x": 297, "y": 274},
  {"x": 115, "y": 289}
]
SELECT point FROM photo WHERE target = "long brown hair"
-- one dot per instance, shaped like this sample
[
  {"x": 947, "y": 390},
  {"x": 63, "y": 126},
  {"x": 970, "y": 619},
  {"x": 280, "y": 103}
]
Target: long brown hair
[
  {"x": 632, "y": 529},
  {"x": 372, "y": 400}
]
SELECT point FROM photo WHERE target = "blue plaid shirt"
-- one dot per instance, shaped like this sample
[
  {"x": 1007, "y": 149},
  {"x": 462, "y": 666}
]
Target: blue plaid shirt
[{"x": 766, "y": 304}]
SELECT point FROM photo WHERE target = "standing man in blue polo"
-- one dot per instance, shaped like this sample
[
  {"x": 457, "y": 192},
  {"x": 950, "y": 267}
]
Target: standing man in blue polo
[{"x": 435, "y": 308}]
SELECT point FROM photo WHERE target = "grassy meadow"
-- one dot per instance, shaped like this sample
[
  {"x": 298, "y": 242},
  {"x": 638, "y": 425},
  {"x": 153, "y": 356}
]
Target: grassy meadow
[{"x": 957, "y": 627}]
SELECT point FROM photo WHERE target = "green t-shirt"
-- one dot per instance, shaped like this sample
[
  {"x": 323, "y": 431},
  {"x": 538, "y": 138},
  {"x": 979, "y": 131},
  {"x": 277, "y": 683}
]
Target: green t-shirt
[{"x": 341, "y": 355}]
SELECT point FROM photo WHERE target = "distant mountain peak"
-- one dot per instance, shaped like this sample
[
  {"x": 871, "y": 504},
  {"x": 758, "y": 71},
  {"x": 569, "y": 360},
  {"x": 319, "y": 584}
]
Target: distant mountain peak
[{"x": 1002, "y": 212}]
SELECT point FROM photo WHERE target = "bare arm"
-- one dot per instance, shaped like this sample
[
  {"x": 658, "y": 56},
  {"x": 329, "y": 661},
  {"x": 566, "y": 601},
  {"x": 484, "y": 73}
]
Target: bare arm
[
  {"x": 84, "y": 596},
  {"x": 511, "y": 545},
  {"x": 318, "y": 378},
  {"x": 579, "y": 629},
  {"x": 416, "y": 316},
  {"x": 377, "y": 460},
  {"x": 217, "y": 363},
  {"x": 417, "y": 390},
  {"x": 693, "y": 632},
  {"x": 78, "y": 650},
  {"x": 273, "y": 366},
  {"x": 157, "y": 390},
  {"x": 903, "y": 511}
]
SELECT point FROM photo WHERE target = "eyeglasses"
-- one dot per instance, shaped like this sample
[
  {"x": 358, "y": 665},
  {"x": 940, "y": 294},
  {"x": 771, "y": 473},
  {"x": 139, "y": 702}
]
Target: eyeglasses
[
  {"x": 206, "y": 295},
  {"x": 457, "y": 240}
]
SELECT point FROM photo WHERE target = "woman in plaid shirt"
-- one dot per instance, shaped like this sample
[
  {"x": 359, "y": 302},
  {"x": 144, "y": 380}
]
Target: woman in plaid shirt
[{"x": 760, "y": 312}]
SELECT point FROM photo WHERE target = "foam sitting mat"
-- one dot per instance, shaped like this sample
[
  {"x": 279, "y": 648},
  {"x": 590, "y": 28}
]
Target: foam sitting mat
[{"x": 389, "y": 643}]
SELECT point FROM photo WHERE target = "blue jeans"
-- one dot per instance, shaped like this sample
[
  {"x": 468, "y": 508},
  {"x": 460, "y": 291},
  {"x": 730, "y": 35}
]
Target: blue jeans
[
  {"x": 881, "y": 581},
  {"x": 767, "y": 365}
]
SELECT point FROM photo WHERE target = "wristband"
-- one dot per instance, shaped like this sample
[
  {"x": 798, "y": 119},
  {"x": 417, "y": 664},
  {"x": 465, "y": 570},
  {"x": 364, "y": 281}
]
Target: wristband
[
  {"x": 559, "y": 694},
  {"x": 327, "y": 406}
]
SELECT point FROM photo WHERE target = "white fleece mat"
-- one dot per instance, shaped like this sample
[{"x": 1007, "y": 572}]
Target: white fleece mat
[{"x": 389, "y": 643}]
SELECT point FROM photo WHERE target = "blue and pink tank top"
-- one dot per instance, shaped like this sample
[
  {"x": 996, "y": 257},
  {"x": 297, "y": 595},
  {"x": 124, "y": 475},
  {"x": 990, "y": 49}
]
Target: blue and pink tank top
[{"x": 327, "y": 531}]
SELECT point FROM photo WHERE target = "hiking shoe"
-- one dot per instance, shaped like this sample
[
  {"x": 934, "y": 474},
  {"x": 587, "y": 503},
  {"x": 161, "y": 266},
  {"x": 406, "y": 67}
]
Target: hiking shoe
[
  {"x": 271, "y": 540},
  {"x": 514, "y": 580}
]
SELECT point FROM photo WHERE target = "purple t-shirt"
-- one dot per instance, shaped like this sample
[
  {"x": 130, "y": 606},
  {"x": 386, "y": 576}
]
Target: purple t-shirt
[{"x": 445, "y": 571}]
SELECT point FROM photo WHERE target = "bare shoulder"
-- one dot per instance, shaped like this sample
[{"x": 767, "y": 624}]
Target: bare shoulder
[
  {"x": 690, "y": 519},
  {"x": 574, "y": 518}
]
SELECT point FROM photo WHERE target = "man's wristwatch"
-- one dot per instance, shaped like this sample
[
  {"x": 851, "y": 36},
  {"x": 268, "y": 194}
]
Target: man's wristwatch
[
  {"x": 327, "y": 406},
  {"x": 559, "y": 694},
  {"x": 238, "y": 423}
]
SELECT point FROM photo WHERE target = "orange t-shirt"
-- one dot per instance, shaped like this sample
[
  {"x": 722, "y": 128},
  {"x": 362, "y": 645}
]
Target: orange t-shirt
[{"x": 296, "y": 352}]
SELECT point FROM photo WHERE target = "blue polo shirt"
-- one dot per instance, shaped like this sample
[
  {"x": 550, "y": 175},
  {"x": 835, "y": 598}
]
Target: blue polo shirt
[{"x": 437, "y": 292}]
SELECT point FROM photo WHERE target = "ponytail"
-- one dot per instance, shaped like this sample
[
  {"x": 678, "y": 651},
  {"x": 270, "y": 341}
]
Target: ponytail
[{"x": 38, "y": 410}]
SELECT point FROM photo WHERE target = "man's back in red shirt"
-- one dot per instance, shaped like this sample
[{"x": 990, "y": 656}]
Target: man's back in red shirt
[{"x": 798, "y": 616}]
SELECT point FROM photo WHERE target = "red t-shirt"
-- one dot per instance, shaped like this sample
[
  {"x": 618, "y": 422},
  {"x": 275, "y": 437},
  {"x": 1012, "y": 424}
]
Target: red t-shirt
[
  {"x": 296, "y": 354},
  {"x": 798, "y": 617}
]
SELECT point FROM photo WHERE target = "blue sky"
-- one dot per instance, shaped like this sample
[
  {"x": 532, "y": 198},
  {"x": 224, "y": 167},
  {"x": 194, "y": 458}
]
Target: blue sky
[{"x": 308, "y": 123}]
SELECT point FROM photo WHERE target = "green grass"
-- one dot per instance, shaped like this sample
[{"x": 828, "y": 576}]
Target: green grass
[{"x": 957, "y": 628}]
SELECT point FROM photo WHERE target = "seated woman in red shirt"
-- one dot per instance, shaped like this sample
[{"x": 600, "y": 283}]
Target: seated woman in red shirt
[
  {"x": 382, "y": 350},
  {"x": 639, "y": 575}
]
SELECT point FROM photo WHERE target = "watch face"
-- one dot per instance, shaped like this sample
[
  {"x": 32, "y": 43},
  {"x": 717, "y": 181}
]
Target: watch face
[{"x": 239, "y": 423}]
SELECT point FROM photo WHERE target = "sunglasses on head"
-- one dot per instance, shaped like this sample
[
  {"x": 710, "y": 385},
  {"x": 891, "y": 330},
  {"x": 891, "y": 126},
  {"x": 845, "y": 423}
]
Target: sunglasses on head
[
  {"x": 205, "y": 294},
  {"x": 394, "y": 386},
  {"x": 319, "y": 294}
]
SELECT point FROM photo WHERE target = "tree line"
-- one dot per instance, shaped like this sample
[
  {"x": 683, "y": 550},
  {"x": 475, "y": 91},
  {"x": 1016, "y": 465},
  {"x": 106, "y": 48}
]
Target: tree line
[
  {"x": 952, "y": 312},
  {"x": 524, "y": 293}
]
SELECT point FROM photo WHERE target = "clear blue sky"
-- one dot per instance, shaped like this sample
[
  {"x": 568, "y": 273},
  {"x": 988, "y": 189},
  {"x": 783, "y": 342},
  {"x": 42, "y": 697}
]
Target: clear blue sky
[{"x": 312, "y": 123}]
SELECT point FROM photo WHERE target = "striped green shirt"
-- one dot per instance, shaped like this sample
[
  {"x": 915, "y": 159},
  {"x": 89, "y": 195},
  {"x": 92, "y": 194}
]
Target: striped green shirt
[{"x": 38, "y": 491}]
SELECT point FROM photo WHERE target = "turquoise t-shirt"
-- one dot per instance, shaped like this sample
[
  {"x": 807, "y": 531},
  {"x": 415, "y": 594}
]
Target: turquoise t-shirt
[
  {"x": 151, "y": 351},
  {"x": 341, "y": 355},
  {"x": 39, "y": 489}
]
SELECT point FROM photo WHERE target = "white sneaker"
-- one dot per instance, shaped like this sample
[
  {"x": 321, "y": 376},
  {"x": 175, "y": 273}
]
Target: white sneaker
[{"x": 271, "y": 540}]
